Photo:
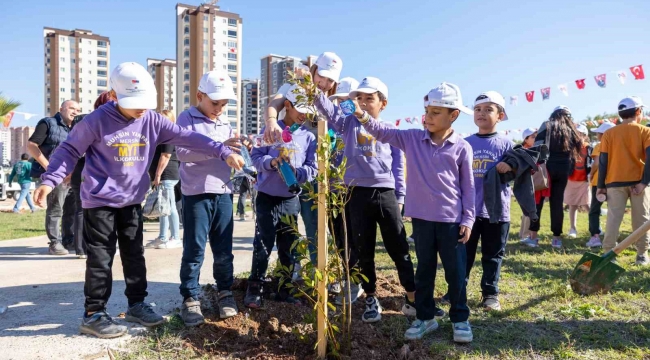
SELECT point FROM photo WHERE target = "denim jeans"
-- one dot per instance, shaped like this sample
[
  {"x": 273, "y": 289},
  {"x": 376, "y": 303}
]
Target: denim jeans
[
  {"x": 24, "y": 194},
  {"x": 59, "y": 215},
  {"x": 173, "y": 218},
  {"x": 206, "y": 216},
  {"x": 493, "y": 247},
  {"x": 310, "y": 219}
]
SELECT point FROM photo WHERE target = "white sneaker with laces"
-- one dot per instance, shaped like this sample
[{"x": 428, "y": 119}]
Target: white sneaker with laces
[
  {"x": 171, "y": 244},
  {"x": 594, "y": 242},
  {"x": 530, "y": 242},
  {"x": 573, "y": 233},
  {"x": 373, "y": 310}
]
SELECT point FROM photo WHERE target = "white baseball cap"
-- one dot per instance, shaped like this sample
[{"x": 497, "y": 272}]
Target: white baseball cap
[
  {"x": 329, "y": 65},
  {"x": 292, "y": 95},
  {"x": 133, "y": 86},
  {"x": 344, "y": 88},
  {"x": 217, "y": 85},
  {"x": 492, "y": 97},
  {"x": 448, "y": 96},
  {"x": 606, "y": 125},
  {"x": 562, "y": 107},
  {"x": 528, "y": 132},
  {"x": 631, "y": 102},
  {"x": 583, "y": 129},
  {"x": 370, "y": 85}
]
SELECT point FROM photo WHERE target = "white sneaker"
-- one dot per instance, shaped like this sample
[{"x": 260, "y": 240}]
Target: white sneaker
[
  {"x": 594, "y": 242},
  {"x": 420, "y": 328},
  {"x": 463, "y": 332},
  {"x": 530, "y": 242},
  {"x": 171, "y": 244},
  {"x": 153, "y": 244},
  {"x": 373, "y": 310},
  {"x": 356, "y": 290},
  {"x": 573, "y": 234}
]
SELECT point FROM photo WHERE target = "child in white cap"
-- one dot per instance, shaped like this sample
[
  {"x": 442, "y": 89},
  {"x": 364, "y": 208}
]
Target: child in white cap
[
  {"x": 596, "y": 205},
  {"x": 528, "y": 140}
]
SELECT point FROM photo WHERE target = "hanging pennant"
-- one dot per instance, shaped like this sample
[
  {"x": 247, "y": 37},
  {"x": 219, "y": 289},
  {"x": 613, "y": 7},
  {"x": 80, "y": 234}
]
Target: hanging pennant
[
  {"x": 546, "y": 93},
  {"x": 621, "y": 76},
  {"x": 530, "y": 96},
  {"x": 601, "y": 80},
  {"x": 397, "y": 122},
  {"x": 563, "y": 88},
  {"x": 514, "y": 100},
  {"x": 637, "y": 71},
  {"x": 408, "y": 120},
  {"x": 581, "y": 84}
]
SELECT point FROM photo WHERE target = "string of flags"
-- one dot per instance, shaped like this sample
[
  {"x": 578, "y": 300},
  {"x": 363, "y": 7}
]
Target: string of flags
[{"x": 601, "y": 81}]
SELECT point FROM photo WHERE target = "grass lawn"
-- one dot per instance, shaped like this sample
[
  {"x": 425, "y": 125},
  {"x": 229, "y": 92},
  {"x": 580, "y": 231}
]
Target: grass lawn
[
  {"x": 26, "y": 224},
  {"x": 541, "y": 317}
]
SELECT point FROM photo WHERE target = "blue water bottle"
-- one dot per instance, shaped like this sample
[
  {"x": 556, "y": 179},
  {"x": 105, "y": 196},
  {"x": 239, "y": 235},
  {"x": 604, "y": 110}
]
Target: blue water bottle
[
  {"x": 248, "y": 162},
  {"x": 347, "y": 107},
  {"x": 289, "y": 177}
]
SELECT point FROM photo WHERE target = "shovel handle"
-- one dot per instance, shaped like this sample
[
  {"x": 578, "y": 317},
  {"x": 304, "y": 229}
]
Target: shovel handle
[{"x": 632, "y": 238}]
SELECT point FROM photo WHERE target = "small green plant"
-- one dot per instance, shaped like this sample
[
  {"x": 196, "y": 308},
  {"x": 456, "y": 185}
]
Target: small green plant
[{"x": 584, "y": 311}]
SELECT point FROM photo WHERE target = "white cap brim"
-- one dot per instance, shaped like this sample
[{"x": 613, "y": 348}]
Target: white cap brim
[
  {"x": 223, "y": 95},
  {"x": 138, "y": 102},
  {"x": 303, "y": 110},
  {"x": 330, "y": 74},
  {"x": 338, "y": 95}
]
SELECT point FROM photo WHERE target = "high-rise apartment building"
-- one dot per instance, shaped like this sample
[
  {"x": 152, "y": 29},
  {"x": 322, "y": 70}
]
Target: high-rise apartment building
[
  {"x": 19, "y": 139},
  {"x": 250, "y": 107},
  {"x": 163, "y": 73},
  {"x": 207, "y": 39},
  {"x": 5, "y": 146},
  {"x": 275, "y": 72},
  {"x": 76, "y": 67}
]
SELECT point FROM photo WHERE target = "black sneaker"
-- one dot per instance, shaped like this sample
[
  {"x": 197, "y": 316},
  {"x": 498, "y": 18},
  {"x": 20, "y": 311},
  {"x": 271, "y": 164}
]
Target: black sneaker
[
  {"x": 70, "y": 247},
  {"x": 143, "y": 313},
  {"x": 56, "y": 248},
  {"x": 445, "y": 299},
  {"x": 409, "y": 309},
  {"x": 491, "y": 303},
  {"x": 101, "y": 325},
  {"x": 253, "y": 298}
]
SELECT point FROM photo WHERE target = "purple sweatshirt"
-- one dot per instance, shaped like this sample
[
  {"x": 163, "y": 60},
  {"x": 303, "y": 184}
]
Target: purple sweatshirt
[
  {"x": 303, "y": 160},
  {"x": 440, "y": 177},
  {"x": 119, "y": 153},
  {"x": 370, "y": 163},
  {"x": 488, "y": 150},
  {"x": 201, "y": 173}
]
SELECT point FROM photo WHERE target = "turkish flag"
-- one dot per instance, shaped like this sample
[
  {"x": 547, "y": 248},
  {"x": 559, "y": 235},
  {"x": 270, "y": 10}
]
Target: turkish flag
[
  {"x": 530, "y": 95},
  {"x": 397, "y": 122},
  {"x": 8, "y": 118},
  {"x": 233, "y": 50},
  {"x": 637, "y": 71},
  {"x": 580, "y": 83}
]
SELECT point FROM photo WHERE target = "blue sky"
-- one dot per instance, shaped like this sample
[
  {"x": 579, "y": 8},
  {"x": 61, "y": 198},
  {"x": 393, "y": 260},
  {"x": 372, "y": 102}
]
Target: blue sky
[{"x": 508, "y": 46}]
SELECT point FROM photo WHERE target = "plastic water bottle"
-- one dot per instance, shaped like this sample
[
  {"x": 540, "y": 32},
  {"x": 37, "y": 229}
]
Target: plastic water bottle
[
  {"x": 348, "y": 107},
  {"x": 248, "y": 162},
  {"x": 287, "y": 174},
  {"x": 258, "y": 141}
]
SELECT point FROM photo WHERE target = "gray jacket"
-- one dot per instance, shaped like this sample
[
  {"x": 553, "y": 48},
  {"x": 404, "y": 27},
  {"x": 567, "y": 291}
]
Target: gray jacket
[{"x": 523, "y": 162}]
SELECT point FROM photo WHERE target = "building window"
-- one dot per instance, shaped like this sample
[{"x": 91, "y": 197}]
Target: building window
[
  {"x": 80, "y": 70},
  {"x": 186, "y": 88},
  {"x": 187, "y": 42},
  {"x": 99, "y": 92},
  {"x": 186, "y": 66},
  {"x": 62, "y": 69},
  {"x": 232, "y": 22},
  {"x": 48, "y": 61},
  {"x": 102, "y": 73},
  {"x": 187, "y": 30},
  {"x": 232, "y": 33},
  {"x": 233, "y": 78},
  {"x": 101, "y": 63},
  {"x": 90, "y": 82},
  {"x": 232, "y": 67},
  {"x": 48, "y": 89},
  {"x": 72, "y": 91},
  {"x": 73, "y": 81},
  {"x": 186, "y": 77},
  {"x": 232, "y": 112},
  {"x": 186, "y": 18},
  {"x": 232, "y": 102},
  {"x": 101, "y": 53},
  {"x": 90, "y": 92},
  {"x": 62, "y": 49},
  {"x": 101, "y": 44},
  {"x": 48, "y": 40},
  {"x": 205, "y": 30},
  {"x": 62, "y": 79},
  {"x": 205, "y": 42},
  {"x": 90, "y": 62},
  {"x": 186, "y": 53},
  {"x": 62, "y": 89},
  {"x": 48, "y": 50},
  {"x": 74, "y": 61},
  {"x": 186, "y": 100},
  {"x": 232, "y": 56},
  {"x": 90, "y": 52},
  {"x": 101, "y": 82},
  {"x": 62, "y": 59},
  {"x": 231, "y": 44}
]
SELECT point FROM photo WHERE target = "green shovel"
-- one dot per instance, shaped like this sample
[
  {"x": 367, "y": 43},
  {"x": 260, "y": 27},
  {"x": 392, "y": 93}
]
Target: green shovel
[{"x": 595, "y": 274}]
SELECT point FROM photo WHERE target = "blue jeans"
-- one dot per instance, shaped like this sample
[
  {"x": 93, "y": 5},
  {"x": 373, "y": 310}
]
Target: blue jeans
[
  {"x": 206, "y": 216},
  {"x": 310, "y": 219},
  {"x": 173, "y": 218},
  {"x": 24, "y": 193}
]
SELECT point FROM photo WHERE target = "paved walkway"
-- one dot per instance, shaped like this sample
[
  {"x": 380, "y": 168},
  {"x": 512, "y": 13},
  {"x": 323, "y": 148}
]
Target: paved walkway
[{"x": 44, "y": 295}]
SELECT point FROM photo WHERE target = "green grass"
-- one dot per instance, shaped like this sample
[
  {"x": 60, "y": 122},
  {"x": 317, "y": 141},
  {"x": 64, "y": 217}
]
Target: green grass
[{"x": 16, "y": 226}]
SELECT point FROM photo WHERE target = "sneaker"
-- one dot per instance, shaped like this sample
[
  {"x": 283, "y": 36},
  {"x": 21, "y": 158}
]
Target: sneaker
[
  {"x": 227, "y": 304},
  {"x": 153, "y": 244},
  {"x": 491, "y": 303},
  {"x": 573, "y": 233},
  {"x": 530, "y": 242},
  {"x": 410, "y": 240},
  {"x": 70, "y": 247},
  {"x": 408, "y": 308},
  {"x": 56, "y": 248},
  {"x": 16, "y": 211},
  {"x": 445, "y": 299},
  {"x": 253, "y": 298},
  {"x": 171, "y": 244},
  {"x": 143, "y": 313},
  {"x": 242, "y": 217},
  {"x": 191, "y": 312},
  {"x": 556, "y": 242},
  {"x": 335, "y": 288},
  {"x": 101, "y": 325},
  {"x": 82, "y": 257},
  {"x": 420, "y": 328},
  {"x": 356, "y": 290},
  {"x": 463, "y": 332},
  {"x": 642, "y": 260},
  {"x": 594, "y": 242},
  {"x": 373, "y": 310}
]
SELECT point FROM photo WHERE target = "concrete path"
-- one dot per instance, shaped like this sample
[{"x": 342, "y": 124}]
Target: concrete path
[{"x": 44, "y": 295}]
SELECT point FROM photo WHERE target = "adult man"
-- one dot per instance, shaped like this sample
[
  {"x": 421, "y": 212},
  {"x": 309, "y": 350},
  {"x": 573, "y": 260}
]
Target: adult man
[{"x": 49, "y": 134}]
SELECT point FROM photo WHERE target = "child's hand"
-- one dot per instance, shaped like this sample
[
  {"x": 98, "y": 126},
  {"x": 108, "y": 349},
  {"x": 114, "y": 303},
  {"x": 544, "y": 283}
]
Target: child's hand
[
  {"x": 233, "y": 144},
  {"x": 638, "y": 189},
  {"x": 601, "y": 192},
  {"x": 357, "y": 109},
  {"x": 503, "y": 168},
  {"x": 464, "y": 232},
  {"x": 41, "y": 194},
  {"x": 235, "y": 161}
]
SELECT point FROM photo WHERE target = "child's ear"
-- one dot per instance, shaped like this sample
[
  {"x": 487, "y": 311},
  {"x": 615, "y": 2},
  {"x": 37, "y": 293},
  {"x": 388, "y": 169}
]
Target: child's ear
[
  {"x": 384, "y": 104},
  {"x": 287, "y": 104}
]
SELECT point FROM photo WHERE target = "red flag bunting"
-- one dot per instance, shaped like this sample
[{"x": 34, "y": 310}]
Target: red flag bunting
[
  {"x": 530, "y": 95},
  {"x": 580, "y": 83},
  {"x": 637, "y": 71},
  {"x": 397, "y": 122}
]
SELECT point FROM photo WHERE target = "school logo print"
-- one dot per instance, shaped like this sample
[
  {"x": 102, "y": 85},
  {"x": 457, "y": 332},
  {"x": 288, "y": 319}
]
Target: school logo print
[
  {"x": 483, "y": 160},
  {"x": 127, "y": 145},
  {"x": 366, "y": 143}
]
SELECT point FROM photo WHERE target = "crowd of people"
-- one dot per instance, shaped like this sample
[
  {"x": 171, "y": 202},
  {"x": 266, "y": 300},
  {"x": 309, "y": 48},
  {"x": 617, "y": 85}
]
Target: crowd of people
[{"x": 128, "y": 148}]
